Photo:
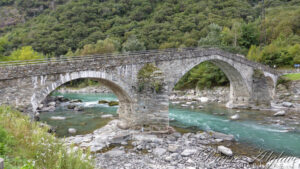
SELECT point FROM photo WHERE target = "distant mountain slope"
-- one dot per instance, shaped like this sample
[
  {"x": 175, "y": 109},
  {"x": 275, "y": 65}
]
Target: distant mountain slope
[{"x": 56, "y": 29}]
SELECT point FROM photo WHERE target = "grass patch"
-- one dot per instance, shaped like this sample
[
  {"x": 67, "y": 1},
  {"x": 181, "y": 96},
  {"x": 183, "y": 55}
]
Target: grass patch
[
  {"x": 293, "y": 76},
  {"x": 26, "y": 145}
]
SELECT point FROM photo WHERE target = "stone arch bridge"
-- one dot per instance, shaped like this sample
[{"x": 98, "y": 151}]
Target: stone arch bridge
[{"x": 25, "y": 84}]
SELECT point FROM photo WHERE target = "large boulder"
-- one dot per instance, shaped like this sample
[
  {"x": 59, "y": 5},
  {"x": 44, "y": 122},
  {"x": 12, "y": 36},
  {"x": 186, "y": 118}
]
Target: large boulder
[{"x": 224, "y": 150}]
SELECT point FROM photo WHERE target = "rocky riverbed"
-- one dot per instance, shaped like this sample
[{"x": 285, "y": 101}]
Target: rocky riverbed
[{"x": 114, "y": 147}]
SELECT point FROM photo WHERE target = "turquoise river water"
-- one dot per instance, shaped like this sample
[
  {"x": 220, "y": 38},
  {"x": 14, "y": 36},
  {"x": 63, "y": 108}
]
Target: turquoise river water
[{"x": 251, "y": 130}]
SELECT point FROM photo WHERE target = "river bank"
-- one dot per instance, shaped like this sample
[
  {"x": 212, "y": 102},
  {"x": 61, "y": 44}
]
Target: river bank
[{"x": 117, "y": 148}]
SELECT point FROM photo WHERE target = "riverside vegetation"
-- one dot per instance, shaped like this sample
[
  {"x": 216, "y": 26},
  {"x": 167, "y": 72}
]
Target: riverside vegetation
[{"x": 27, "y": 145}]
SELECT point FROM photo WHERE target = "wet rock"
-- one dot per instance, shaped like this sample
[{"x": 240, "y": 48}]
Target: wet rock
[
  {"x": 72, "y": 130},
  {"x": 62, "y": 99},
  {"x": 76, "y": 101},
  {"x": 159, "y": 151},
  {"x": 224, "y": 150},
  {"x": 78, "y": 108},
  {"x": 188, "y": 152},
  {"x": 280, "y": 113},
  {"x": 113, "y": 103},
  {"x": 287, "y": 104},
  {"x": 107, "y": 116},
  {"x": 58, "y": 118},
  {"x": 48, "y": 109},
  {"x": 71, "y": 106},
  {"x": 226, "y": 137},
  {"x": 103, "y": 102},
  {"x": 235, "y": 117},
  {"x": 51, "y": 104}
]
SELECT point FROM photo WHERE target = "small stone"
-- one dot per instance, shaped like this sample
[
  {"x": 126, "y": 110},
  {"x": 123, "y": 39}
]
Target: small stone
[
  {"x": 122, "y": 125},
  {"x": 115, "y": 153},
  {"x": 58, "y": 118},
  {"x": 52, "y": 104},
  {"x": 107, "y": 116},
  {"x": 203, "y": 99},
  {"x": 159, "y": 151},
  {"x": 71, "y": 106},
  {"x": 287, "y": 104},
  {"x": 72, "y": 130},
  {"x": 77, "y": 108},
  {"x": 226, "y": 137},
  {"x": 76, "y": 101},
  {"x": 235, "y": 117},
  {"x": 173, "y": 148},
  {"x": 280, "y": 113},
  {"x": 113, "y": 103},
  {"x": 102, "y": 102},
  {"x": 224, "y": 150},
  {"x": 188, "y": 152}
]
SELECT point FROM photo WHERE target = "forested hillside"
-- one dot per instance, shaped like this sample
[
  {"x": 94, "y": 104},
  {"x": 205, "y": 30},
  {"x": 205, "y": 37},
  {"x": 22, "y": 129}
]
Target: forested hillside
[{"x": 79, "y": 27}]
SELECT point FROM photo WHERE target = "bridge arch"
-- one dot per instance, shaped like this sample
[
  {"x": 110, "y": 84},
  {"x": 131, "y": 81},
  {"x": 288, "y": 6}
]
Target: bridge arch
[
  {"x": 44, "y": 85},
  {"x": 237, "y": 73}
]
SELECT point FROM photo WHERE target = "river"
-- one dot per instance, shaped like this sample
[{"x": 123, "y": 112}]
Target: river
[{"x": 252, "y": 131}]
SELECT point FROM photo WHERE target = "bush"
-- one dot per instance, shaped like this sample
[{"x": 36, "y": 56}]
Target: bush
[{"x": 34, "y": 147}]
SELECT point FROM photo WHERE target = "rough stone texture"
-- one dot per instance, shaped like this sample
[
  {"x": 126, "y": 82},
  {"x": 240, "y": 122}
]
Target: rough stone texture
[
  {"x": 1, "y": 163},
  {"x": 26, "y": 86}
]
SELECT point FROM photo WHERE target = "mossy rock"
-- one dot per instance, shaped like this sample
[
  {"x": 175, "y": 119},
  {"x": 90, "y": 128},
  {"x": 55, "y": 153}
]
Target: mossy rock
[
  {"x": 113, "y": 103},
  {"x": 102, "y": 102}
]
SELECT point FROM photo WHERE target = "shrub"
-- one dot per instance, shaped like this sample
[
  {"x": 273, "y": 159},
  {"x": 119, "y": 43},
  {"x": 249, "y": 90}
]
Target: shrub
[{"x": 35, "y": 148}]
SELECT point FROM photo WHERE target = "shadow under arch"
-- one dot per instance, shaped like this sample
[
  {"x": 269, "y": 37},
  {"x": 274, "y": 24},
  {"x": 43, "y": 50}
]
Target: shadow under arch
[
  {"x": 240, "y": 90},
  {"x": 115, "y": 84}
]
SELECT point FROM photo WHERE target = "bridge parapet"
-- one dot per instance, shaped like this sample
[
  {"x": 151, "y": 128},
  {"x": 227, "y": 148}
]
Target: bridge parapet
[{"x": 18, "y": 69}]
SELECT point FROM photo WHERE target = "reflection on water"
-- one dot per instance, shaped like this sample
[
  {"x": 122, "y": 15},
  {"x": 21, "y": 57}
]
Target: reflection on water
[{"x": 252, "y": 128}]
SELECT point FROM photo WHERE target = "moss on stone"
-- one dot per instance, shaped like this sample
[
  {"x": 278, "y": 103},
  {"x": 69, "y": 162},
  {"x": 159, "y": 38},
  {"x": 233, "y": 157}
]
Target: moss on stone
[{"x": 113, "y": 103}]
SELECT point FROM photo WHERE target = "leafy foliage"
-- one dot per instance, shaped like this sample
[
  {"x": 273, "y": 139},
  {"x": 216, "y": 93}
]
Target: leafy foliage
[
  {"x": 84, "y": 27},
  {"x": 204, "y": 75},
  {"x": 31, "y": 146}
]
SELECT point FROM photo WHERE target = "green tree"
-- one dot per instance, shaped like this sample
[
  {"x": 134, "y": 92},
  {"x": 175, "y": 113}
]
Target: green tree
[
  {"x": 25, "y": 53},
  {"x": 102, "y": 46},
  {"x": 133, "y": 44},
  {"x": 213, "y": 37},
  {"x": 249, "y": 35}
]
